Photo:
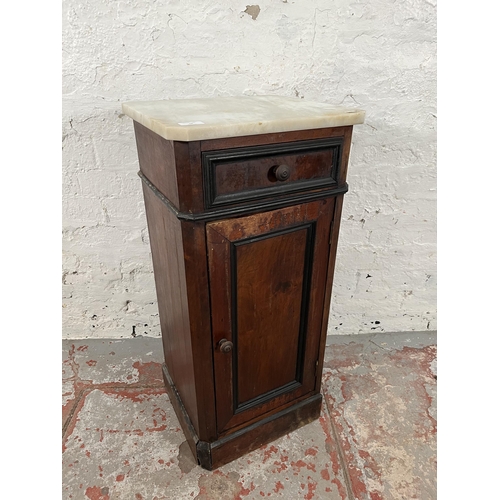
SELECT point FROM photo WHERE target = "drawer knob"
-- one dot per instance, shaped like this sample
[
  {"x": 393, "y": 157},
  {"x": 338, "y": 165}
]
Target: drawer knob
[
  {"x": 282, "y": 172},
  {"x": 225, "y": 345}
]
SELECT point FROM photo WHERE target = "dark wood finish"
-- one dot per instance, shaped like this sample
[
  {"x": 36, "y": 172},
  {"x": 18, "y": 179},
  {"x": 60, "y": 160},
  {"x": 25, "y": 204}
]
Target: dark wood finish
[
  {"x": 189, "y": 175},
  {"x": 334, "y": 237},
  {"x": 165, "y": 235},
  {"x": 246, "y": 174},
  {"x": 181, "y": 279},
  {"x": 247, "y": 208},
  {"x": 172, "y": 167},
  {"x": 198, "y": 300},
  {"x": 243, "y": 282},
  {"x": 272, "y": 287},
  {"x": 267, "y": 274},
  {"x": 175, "y": 170}
]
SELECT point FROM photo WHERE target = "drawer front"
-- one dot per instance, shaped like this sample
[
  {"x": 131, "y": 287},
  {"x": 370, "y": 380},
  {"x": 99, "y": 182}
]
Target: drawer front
[{"x": 233, "y": 176}]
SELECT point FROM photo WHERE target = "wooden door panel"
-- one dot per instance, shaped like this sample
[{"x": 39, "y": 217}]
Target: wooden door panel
[
  {"x": 267, "y": 277},
  {"x": 269, "y": 281}
]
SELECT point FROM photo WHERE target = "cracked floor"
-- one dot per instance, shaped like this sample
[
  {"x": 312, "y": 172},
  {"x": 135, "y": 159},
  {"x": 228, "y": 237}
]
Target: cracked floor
[{"x": 375, "y": 438}]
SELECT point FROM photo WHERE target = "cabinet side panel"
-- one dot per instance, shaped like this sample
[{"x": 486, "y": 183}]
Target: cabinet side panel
[
  {"x": 334, "y": 235},
  {"x": 157, "y": 162},
  {"x": 165, "y": 234},
  {"x": 195, "y": 259},
  {"x": 334, "y": 238}
]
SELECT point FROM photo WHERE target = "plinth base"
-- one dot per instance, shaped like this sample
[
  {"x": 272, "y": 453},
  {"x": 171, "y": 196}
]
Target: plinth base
[{"x": 232, "y": 446}]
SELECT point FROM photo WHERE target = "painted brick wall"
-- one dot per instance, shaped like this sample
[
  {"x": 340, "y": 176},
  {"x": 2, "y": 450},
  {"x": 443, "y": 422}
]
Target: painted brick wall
[{"x": 374, "y": 54}]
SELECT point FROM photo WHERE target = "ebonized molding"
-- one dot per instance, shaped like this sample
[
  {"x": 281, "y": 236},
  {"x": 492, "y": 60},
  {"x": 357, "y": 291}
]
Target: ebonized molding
[{"x": 250, "y": 208}]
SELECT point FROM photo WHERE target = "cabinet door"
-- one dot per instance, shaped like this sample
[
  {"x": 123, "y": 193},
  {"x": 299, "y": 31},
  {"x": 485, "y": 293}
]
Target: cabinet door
[{"x": 267, "y": 288}]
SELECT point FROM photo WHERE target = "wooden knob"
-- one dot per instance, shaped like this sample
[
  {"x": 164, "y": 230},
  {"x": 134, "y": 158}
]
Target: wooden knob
[
  {"x": 282, "y": 172},
  {"x": 225, "y": 345}
]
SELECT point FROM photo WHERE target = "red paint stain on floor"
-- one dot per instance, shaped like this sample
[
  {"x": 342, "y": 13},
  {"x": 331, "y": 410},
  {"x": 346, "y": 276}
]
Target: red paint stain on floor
[
  {"x": 212, "y": 484},
  {"x": 268, "y": 452},
  {"x": 419, "y": 361},
  {"x": 311, "y": 451},
  {"x": 330, "y": 444},
  {"x": 311, "y": 488},
  {"x": 244, "y": 491},
  {"x": 346, "y": 356},
  {"x": 356, "y": 475},
  {"x": 370, "y": 463},
  {"x": 149, "y": 373},
  {"x": 331, "y": 450},
  {"x": 299, "y": 464},
  {"x": 406, "y": 361},
  {"x": 281, "y": 464},
  {"x": 133, "y": 394},
  {"x": 97, "y": 493},
  {"x": 279, "y": 486}
]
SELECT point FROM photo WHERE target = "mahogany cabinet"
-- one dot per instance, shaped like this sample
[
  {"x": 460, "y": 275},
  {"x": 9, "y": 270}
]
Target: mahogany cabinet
[{"x": 243, "y": 233}]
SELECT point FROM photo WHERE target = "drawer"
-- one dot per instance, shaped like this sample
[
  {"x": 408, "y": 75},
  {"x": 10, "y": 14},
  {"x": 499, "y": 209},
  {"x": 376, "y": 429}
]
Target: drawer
[{"x": 233, "y": 176}]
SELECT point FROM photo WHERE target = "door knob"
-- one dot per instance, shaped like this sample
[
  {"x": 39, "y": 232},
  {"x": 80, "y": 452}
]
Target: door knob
[
  {"x": 281, "y": 172},
  {"x": 225, "y": 345}
]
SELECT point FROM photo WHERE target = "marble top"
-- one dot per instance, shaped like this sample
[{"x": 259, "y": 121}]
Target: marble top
[{"x": 213, "y": 118}]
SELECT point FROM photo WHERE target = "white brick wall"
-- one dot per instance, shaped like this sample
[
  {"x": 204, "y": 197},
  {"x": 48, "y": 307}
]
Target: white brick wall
[{"x": 372, "y": 54}]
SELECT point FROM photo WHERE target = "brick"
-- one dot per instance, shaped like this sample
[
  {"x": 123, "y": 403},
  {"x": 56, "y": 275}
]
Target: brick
[{"x": 375, "y": 55}]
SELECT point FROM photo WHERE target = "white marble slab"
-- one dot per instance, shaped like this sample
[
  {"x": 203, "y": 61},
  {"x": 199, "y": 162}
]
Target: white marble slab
[{"x": 213, "y": 118}]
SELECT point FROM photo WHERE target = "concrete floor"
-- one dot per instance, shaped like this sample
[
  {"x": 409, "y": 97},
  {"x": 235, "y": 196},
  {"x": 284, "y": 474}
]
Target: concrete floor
[{"x": 375, "y": 439}]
